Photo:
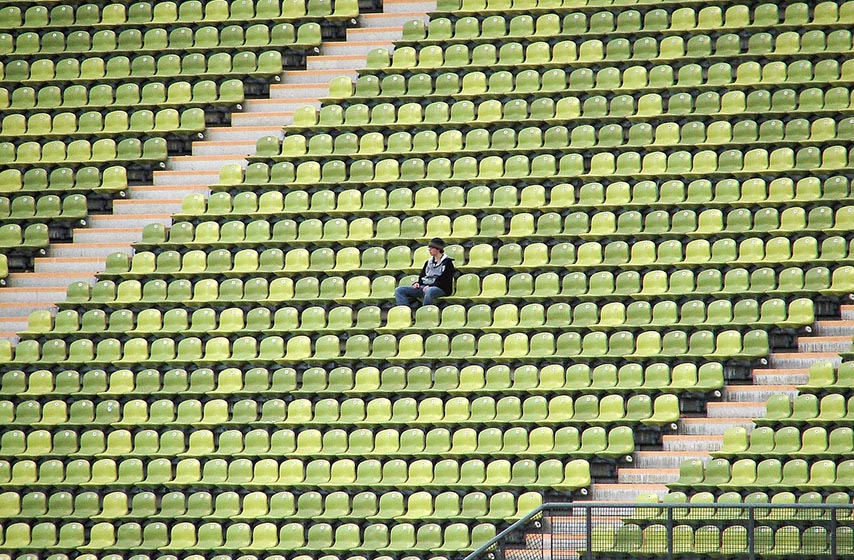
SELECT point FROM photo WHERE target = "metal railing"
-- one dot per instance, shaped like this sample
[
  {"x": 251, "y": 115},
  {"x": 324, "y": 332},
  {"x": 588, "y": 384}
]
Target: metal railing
[{"x": 590, "y": 530}]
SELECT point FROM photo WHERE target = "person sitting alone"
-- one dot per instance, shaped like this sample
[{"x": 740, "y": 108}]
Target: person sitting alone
[{"x": 436, "y": 279}]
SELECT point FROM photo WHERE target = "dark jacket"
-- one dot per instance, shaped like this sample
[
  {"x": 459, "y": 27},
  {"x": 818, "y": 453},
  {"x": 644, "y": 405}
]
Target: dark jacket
[{"x": 440, "y": 275}]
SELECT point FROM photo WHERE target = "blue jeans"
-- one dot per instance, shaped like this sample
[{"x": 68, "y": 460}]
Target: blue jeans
[{"x": 405, "y": 294}]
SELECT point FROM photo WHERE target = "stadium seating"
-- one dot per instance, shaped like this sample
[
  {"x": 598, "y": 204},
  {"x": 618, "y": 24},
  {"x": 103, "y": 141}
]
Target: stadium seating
[{"x": 642, "y": 199}]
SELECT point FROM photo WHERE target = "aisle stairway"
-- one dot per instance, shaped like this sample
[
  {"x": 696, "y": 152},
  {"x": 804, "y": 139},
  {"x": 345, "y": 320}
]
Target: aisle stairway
[
  {"x": 108, "y": 233},
  {"x": 697, "y": 436}
]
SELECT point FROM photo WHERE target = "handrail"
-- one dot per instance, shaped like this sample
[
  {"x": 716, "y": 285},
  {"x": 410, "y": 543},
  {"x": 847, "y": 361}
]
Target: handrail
[{"x": 617, "y": 511}]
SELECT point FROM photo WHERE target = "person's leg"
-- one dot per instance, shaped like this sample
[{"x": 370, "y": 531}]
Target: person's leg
[
  {"x": 404, "y": 295},
  {"x": 432, "y": 294}
]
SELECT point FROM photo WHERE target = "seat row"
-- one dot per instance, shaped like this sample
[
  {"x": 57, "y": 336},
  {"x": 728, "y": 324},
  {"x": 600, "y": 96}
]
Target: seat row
[
  {"x": 814, "y": 442},
  {"x": 562, "y": 409},
  {"x": 142, "y": 13},
  {"x": 455, "y": 318},
  {"x": 47, "y": 207},
  {"x": 34, "y": 238},
  {"x": 152, "y": 151},
  {"x": 492, "y": 24},
  {"x": 344, "y": 380},
  {"x": 675, "y": 17},
  {"x": 807, "y": 409},
  {"x": 823, "y": 376},
  {"x": 701, "y": 499},
  {"x": 745, "y": 475},
  {"x": 205, "y": 93},
  {"x": 268, "y": 536},
  {"x": 501, "y": 83},
  {"x": 467, "y": 226},
  {"x": 439, "y": 114},
  {"x": 90, "y": 178},
  {"x": 778, "y": 250},
  {"x": 712, "y": 540},
  {"x": 221, "y": 65},
  {"x": 318, "y": 474},
  {"x": 543, "y": 442},
  {"x": 507, "y": 140},
  {"x": 155, "y": 39},
  {"x": 95, "y": 123},
  {"x": 647, "y": 194},
  {"x": 493, "y": 347},
  {"x": 257, "y": 505},
  {"x": 470, "y": 170},
  {"x": 790, "y": 282},
  {"x": 539, "y": 53}
]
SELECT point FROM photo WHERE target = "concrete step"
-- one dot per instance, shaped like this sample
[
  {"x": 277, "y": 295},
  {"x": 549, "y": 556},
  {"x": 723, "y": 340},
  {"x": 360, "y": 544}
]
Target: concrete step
[
  {"x": 647, "y": 476},
  {"x": 317, "y": 76},
  {"x": 407, "y": 6},
  {"x": 203, "y": 163},
  {"x": 231, "y": 148},
  {"x": 834, "y": 328},
  {"x": 63, "y": 250},
  {"x": 113, "y": 235},
  {"x": 18, "y": 309},
  {"x": 665, "y": 459},
  {"x": 279, "y": 105},
  {"x": 245, "y": 133},
  {"x": 323, "y": 62},
  {"x": 48, "y": 279},
  {"x": 13, "y": 324},
  {"x": 24, "y": 296},
  {"x": 736, "y": 409},
  {"x": 675, "y": 443},
  {"x": 755, "y": 393},
  {"x": 355, "y": 46},
  {"x": 712, "y": 426},
  {"x": 791, "y": 376},
  {"x": 390, "y": 19},
  {"x": 147, "y": 207},
  {"x": 81, "y": 264},
  {"x": 824, "y": 344},
  {"x": 176, "y": 178},
  {"x": 111, "y": 221},
  {"x": 171, "y": 192},
  {"x": 299, "y": 91},
  {"x": 788, "y": 360},
  {"x": 846, "y": 312},
  {"x": 385, "y": 35},
  {"x": 625, "y": 492},
  {"x": 260, "y": 119}
]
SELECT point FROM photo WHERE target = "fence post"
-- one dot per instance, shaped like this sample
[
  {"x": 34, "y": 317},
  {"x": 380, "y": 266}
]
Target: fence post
[
  {"x": 833, "y": 550},
  {"x": 669, "y": 533},
  {"x": 588, "y": 529},
  {"x": 751, "y": 530}
]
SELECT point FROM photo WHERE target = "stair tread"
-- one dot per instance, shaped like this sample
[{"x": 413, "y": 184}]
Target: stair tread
[
  {"x": 804, "y": 354},
  {"x": 737, "y": 388},
  {"x": 127, "y": 217},
  {"x": 669, "y": 453},
  {"x": 691, "y": 437},
  {"x": 203, "y": 157},
  {"x": 244, "y": 128},
  {"x": 107, "y": 230},
  {"x": 11, "y": 289},
  {"x": 327, "y": 57},
  {"x": 263, "y": 113},
  {"x": 781, "y": 371},
  {"x": 835, "y": 338},
  {"x": 729, "y": 404},
  {"x": 187, "y": 172},
  {"x": 707, "y": 420}
]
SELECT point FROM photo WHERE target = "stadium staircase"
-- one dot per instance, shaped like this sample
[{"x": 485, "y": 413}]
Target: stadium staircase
[
  {"x": 104, "y": 234},
  {"x": 572, "y": 363}
]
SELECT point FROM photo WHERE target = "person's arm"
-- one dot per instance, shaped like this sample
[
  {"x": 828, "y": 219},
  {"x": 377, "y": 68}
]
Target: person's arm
[
  {"x": 445, "y": 281},
  {"x": 420, "y": 280}
]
